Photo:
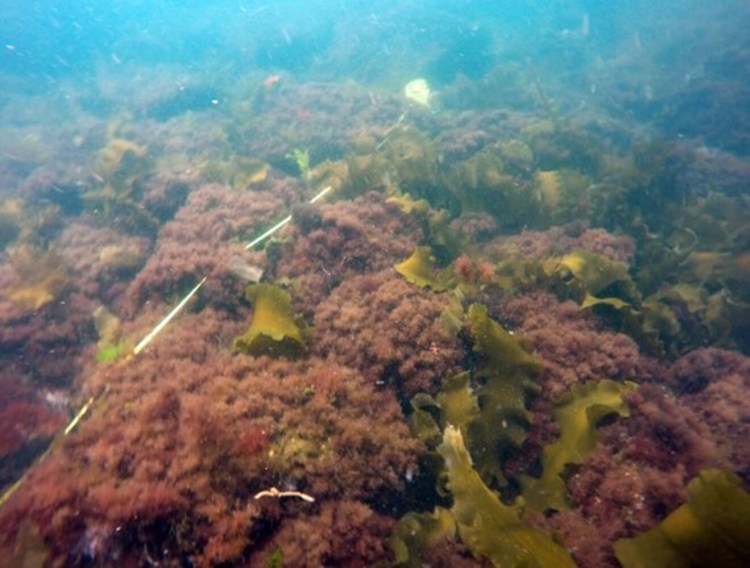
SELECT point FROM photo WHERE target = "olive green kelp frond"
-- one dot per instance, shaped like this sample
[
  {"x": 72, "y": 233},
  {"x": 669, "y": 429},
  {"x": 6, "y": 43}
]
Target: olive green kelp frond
[
  {"x": 578, "y": 413},
  {"x": 455, "y": 404},
  {"x": 416, "y": 532},
  {"x": 487, "y": 527},
  {"x": 419, "y": 269},
  {"x": 711, "y": 529},
  {"x": 41, "y": 277},
  {"x": 583, "y": 272},
  {"x": 274, "y": 330},
  {"x": 506, "y": 376}
]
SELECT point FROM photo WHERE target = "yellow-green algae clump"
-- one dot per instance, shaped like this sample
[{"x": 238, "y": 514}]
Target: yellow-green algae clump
[
  {"x": 584, "y": 272},
  {"x": 578, "y": 413},
  {"x": 416, "y": 532},
  {"x": 492, "y": 414},
  {"x": 238, "y": 172},
  {"x": 506, "y": 375},
  {"x": 486, "y": 526},
  {"x": 274, "y": 330},
  {"x": 122, "y": 167},
  {"x": 455, "y": 404},
  {"x": 419, "y": 269},
  {"x": 111, "y": 345},
  {"x": 41, "y": 277},
  {"x": 711, "y": 529}
]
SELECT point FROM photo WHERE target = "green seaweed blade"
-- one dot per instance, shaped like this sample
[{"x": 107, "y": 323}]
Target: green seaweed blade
[
  {"x": 506, "y": 375},
  {"x": 578, "y": 413},
  {"x": 487, "y": 527},
  {"x": 711, "y": 529}
]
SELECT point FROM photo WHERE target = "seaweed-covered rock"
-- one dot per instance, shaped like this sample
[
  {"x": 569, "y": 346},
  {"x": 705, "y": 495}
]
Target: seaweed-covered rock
[{"x": 390, "y": 330}]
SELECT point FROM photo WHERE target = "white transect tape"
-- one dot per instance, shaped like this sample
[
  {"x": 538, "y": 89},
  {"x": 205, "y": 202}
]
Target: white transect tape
[
  {"x": 146, "y": 340},
  {"x": 268, "y": 233},
  {"x": 283, "y": 222}
]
